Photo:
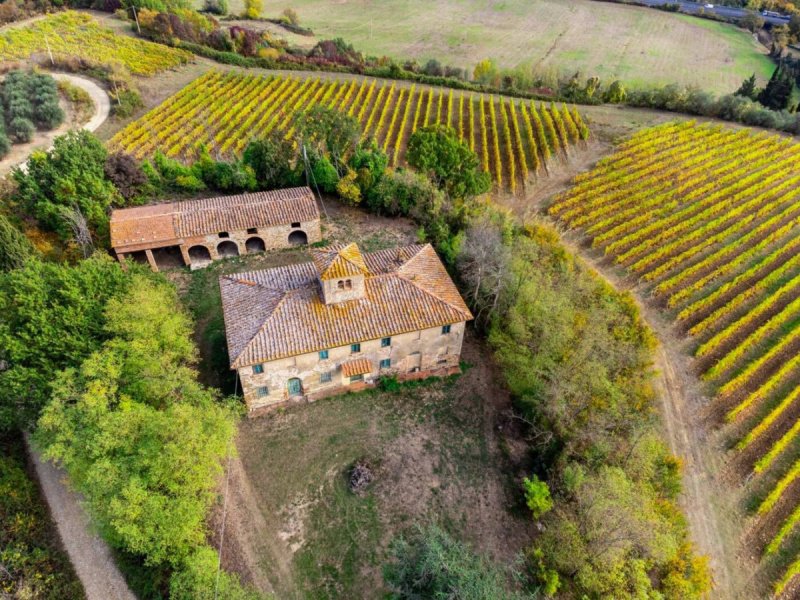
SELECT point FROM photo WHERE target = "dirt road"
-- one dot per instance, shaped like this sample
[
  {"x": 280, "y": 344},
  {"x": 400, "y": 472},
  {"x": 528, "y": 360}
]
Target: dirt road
[
  {"x": 88, "y": 553},
  {"x": 43, "y": 140}
]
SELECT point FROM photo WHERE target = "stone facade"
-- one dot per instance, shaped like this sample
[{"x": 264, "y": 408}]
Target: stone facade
[
  {"x": 340, "y": 322},
  {"x": 412, "y": 355},
  {"x": 196, "y": 232}
]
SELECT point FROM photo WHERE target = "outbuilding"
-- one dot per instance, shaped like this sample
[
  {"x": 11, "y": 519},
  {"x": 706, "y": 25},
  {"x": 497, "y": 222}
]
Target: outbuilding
[{"x": 194, "y": 233}]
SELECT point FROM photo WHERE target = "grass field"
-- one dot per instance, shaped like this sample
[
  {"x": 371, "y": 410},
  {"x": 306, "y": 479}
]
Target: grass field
[
  {"x": 638, "y": 45},
  {"x": 707, "y": 218}
]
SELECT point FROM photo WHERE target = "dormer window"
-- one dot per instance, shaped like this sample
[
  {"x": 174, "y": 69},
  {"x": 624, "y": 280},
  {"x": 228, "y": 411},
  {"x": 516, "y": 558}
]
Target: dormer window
[
  {"x": 224, "y": 234},
  {"x": 345, "y": 284}
]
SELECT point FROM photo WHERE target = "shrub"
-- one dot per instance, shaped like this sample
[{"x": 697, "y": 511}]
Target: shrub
[
  {"x": 48, "y": 114},
  {"x": 21, "y": 129},
  {"x": 5, "y": 143},
  {"x": 197, "y": 580},
  {"x": 537, "y": 496},
  {"x": 125, "y": 103},
  {"x": 348, "y": 189},
  {"x": 216, "y": 7},
  {"x": 434, "y": 565},
  {"x": 290, "y": 16}
]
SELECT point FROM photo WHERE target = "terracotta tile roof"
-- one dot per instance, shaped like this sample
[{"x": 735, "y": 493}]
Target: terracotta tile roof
[
  {"x": 359, "y": 366},
  {"x": 276, "y": 313},
  {"x": 337, "y": 261},
  {"x": 161, "y": 224}
]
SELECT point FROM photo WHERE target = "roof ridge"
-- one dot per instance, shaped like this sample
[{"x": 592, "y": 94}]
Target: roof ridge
[
  {"x": 271, "y": 314},
  {"x": 403, "y": 276}
]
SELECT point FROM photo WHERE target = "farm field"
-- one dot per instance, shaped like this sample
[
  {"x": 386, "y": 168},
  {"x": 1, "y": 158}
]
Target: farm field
[
  {"x": 73, "y": 34},
  {"x": 638, "y": 45},
  {"x": 708, "y": 219},
  {"x": 514, "y": 140}
]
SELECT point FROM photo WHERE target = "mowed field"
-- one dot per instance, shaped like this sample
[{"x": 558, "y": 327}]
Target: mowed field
[
  {"x": 707, "y": 218},
  {"x": 638, "y": 45}
]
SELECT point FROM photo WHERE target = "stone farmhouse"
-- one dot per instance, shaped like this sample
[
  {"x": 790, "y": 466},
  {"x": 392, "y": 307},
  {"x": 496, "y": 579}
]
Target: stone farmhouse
[
  {"x": 341, "y": 321},
  {"x": 195, "y": 232}
]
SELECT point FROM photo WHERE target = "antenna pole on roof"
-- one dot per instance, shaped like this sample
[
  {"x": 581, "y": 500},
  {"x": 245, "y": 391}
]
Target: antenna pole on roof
[{"x": 316, "y": 187}]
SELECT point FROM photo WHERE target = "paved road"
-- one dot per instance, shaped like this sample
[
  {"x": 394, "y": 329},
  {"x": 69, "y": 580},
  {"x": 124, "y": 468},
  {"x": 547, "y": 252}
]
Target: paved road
[{"x": 728, "y": 12}]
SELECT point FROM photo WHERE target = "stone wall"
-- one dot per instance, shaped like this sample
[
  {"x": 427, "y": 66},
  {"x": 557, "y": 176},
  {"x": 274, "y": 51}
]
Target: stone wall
[
  {"x": 214, "y": 244},
  {"x": 418, "y": 353}
]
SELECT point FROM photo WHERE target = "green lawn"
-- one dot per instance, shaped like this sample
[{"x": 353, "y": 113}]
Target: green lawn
[{"x": 639, "y": 45}]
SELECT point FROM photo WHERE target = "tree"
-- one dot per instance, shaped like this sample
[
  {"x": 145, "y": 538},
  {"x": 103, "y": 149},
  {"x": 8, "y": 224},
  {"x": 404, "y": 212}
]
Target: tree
[
  {"x": 197, "y": 580},
  {"x": 484, "y": 263},
  {"x": 272, "y": 159},
  {"x": 253, "y": 8},
  {"x": 748, "y": 89},
  {"x": 15, "y": 248},
  {"x": 52, "y": 317},
  {"x": 434, "y": 565},
  {"x": 125, "y": 172},
  {"x": 328, "y": 132},
  {"x": 616, "y": 93},
  {"x": 752, "y": 22},
  {"x": 485, "y": 72},
  {"x": 71, "y": 175},
  {"x": 537, "y": 496},
  {"x": 138, "y": 435},
  {"x": 455, "y": 169},
  {"x": 778, "y": 92}
]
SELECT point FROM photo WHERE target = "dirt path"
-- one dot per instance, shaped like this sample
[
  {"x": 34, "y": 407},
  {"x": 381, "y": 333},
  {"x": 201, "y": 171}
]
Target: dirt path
[
  {"x": 711, "y": 507},
  {"x": 88, "y": 553},
  {"x": 44, "y": 139}
]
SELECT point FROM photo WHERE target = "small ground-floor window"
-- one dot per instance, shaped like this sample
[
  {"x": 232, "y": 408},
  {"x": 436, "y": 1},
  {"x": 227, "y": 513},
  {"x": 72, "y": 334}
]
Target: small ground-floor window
[
  {"x": 262, "y": 391},
  {"x": 386, "y": 363},
  {"x": 325, "y": 377},
  {"x": 355, "y": 378}
]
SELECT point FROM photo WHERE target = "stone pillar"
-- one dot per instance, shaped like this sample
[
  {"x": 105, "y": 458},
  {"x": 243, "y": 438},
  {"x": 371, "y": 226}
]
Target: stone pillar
[
  {"x": 185, "y": 254},
  {"x": 212, "y": 250},
  {"x": 151, "y": 260}
]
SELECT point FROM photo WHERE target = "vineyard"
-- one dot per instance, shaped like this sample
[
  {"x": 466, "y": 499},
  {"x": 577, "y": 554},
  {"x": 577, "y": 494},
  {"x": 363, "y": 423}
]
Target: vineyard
[
  {"x": 72, "y": 34},
  {"x": 709, "y": 218},
  {"x": 514, "y": 140}
]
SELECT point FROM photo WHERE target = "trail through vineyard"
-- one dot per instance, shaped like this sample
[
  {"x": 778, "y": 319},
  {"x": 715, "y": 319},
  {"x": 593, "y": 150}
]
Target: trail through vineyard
[
  {"x": 715, "y": 521},
  {"x": 709, "y": 506}
]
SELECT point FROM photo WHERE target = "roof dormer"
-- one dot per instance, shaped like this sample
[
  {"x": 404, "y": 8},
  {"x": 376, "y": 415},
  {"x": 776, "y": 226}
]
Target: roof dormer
[{"x": 341, "y": 272}]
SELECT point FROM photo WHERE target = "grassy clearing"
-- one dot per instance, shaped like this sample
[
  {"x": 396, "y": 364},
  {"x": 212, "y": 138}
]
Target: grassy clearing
[
  {"x": 434, "y": 457},
  {"x": 638, "y": 45}
]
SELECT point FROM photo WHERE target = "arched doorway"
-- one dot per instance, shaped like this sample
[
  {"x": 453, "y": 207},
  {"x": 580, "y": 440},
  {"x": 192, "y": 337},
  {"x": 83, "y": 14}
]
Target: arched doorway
[
  {"x": 295, "y": 387},
  {"x": 227, "y": 249},
  {"x": 199, "y": 256},
  {"x": 255, "y": 244},
  {"x": 298, "y": 238}
]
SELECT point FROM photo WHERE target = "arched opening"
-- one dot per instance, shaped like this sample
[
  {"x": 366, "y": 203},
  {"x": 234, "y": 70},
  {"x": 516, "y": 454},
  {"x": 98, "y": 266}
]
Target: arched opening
[
  {"x": 199, "y": 256},
  {"x": 298, "y": 238},
  {"x": 169, "y": 257},
  {"x": 227, "y": 249},
  {"x": 255, "y": 244},
  {"x": 295, "y": 387}
]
